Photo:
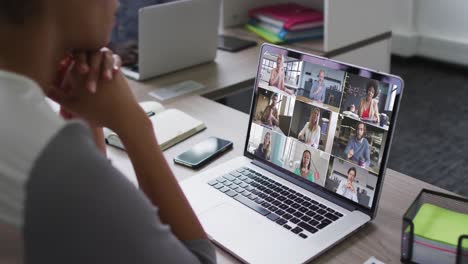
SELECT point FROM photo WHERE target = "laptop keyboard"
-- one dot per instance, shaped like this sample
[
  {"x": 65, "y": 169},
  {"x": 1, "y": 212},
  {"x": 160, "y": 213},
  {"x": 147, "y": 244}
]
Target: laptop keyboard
[{"x": 288, "y": 208}]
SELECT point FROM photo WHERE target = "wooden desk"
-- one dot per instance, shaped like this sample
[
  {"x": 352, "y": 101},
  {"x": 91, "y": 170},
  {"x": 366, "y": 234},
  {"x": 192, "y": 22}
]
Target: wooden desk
[{"x": 381, "y": 238}]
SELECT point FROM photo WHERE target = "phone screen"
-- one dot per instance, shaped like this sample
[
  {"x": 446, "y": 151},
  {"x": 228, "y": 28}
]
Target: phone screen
[{"x": 203, "y": 151}]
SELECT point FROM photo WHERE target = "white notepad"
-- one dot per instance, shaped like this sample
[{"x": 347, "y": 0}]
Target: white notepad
[{"x": 171, "y": 126}]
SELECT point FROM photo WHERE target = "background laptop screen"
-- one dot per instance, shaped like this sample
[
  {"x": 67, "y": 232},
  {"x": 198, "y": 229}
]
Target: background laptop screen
[{"x": 324, "y": 122}]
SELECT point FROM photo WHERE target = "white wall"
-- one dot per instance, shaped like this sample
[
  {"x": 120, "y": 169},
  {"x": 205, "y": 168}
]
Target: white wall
[
  {"x": 403, "y": 16},
  {"x": 444, "y": 19},
  {"x": 431, "y": 28}
]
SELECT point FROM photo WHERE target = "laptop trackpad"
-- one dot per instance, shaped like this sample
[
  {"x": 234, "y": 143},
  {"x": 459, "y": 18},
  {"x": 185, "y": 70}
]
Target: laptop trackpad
[{"x": 244, "y": 232}]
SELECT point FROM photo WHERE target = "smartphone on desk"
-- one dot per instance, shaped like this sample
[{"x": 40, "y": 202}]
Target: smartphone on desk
[
  {"x": 234, "y": 44},
  {"x": 203, "y": 152}
]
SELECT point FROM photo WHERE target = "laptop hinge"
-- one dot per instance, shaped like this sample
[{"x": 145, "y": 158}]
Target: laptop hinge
[{"x": 348, "y": 206}]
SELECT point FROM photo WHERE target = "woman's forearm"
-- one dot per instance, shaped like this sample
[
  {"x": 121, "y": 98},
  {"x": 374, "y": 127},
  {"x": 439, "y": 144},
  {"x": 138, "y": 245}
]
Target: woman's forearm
[{"x": 156, "y": 179}]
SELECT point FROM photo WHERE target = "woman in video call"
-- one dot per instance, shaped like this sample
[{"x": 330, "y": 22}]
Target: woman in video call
[
  {"x": 368, "y": 109},
  {"x": 304, "y": 169},
  {"x": 310, "y": 134},
  {"x": 264, "y": 149},
  {"x": 270, "y": 113},
  {"x": 277, "y": 75},
  {"x": 346, "y": 187},
  {"x": 61, "y": 200}
]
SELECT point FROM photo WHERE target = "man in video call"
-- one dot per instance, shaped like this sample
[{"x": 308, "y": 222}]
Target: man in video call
[
  {"x": 317, "y": 92},
  {"x": 270, "y": 114},
  {"x": 357, "y": 149}
]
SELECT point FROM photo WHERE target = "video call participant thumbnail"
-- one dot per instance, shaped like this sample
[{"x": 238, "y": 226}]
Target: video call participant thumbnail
[
  {"x": 266, "y": 144},
  {"x": 270, "y": 115},
  {"x": 368, "y": 100},
  {"x": 277, "y": 74},
  {"x": 368, "y": 107},
  {"x": 264, "y": 149},
  {"x": 317, "y": 92},
  {"x": 346, "y": 187},
  {"x": 304, "y": 170},
  {"x": 310, "y": 134},
  {"x": 357, "y": 149},
  {"x": 305, "y": 162},
  {"x": 319, "y": 85},
  {"x": 351, "y": 181},
  {"x": 313, "y": 126}
]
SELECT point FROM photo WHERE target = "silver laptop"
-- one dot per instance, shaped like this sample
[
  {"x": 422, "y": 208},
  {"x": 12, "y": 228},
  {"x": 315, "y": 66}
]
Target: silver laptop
[
  {"x": 297, "y": 192},
  {"x": 175, "y": 35}
]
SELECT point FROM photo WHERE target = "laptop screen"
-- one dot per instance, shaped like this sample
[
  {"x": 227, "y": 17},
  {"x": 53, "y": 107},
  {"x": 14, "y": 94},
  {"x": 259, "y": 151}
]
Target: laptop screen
[{"x": 324, "y": 123}]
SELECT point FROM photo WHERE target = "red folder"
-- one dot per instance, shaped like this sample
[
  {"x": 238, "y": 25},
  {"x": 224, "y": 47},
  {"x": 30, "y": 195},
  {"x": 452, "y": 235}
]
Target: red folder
[{"x": 290, "y": 16}]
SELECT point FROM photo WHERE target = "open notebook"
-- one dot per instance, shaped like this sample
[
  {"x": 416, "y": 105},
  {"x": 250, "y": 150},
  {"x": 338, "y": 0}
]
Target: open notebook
[{"x": 171, "y": 126}]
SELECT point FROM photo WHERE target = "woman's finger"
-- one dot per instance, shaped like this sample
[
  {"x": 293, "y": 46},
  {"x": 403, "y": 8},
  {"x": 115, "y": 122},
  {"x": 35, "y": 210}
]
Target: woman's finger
[
  {"x": 82, "y": 62},
  {"x": 94, "y": 60},
  {"x": 65, "y": 66},
  {"x": 107, "y": 64},
  {"x": 117, "y": 62}
]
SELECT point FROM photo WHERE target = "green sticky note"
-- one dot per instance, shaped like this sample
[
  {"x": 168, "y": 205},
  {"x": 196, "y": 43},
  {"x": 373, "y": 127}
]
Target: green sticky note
[{"x": 440, "y": 224}]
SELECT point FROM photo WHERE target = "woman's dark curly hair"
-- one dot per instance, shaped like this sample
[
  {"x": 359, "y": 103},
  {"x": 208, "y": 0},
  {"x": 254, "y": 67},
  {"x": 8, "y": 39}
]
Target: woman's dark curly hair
[
  {"x": 17, "y": 11},
  {"x": 372, "y": 84}
]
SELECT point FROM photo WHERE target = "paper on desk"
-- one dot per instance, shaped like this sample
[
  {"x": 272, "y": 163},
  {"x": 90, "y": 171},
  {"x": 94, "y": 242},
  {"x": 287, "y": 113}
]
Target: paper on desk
[
  {"x": 439, "y": 224},
  {"x": 175, "y": 90}
]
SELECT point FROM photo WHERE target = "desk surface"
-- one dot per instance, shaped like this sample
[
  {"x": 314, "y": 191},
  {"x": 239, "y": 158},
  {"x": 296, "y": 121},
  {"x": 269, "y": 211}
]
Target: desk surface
[{"x": 381, "y": 238}]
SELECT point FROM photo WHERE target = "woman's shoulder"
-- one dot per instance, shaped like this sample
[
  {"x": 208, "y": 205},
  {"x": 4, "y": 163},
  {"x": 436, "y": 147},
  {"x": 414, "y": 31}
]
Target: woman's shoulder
[
  {"x": 340, "y": 185},
  {"x": 28, "y": 120}
]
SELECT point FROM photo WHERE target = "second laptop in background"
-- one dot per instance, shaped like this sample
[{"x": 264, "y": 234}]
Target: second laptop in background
[{"x": 175, "y": 35}]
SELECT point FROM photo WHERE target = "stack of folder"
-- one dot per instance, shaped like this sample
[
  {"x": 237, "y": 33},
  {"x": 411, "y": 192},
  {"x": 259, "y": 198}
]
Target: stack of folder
[
  {"x": 436, "y": 234},
  {"x": 285, "y": 23}
]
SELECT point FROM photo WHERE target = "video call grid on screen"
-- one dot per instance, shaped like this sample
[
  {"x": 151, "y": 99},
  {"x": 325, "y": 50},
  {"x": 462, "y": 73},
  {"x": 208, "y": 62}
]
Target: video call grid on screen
[{"x": 317, "y": 117}]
